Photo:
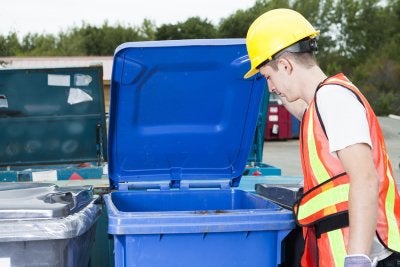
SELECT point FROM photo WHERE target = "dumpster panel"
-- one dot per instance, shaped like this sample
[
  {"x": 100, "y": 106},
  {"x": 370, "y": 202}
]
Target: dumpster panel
[{"x": 52, "y": 116}]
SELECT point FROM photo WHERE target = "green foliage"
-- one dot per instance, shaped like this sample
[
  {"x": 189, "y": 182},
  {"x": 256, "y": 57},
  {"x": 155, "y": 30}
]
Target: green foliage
[
  {"x": 9, "y": 45},
  {"x": 103, "y": 40},
  {"x": 192, "y": 28},
  {"x": 379, "y": 77},
  {"x": 148, "y": 30},
  {"x": 38, "y": 45},
  {"x": 71, "y": 44},
  {"x": 237, "y": 24}
]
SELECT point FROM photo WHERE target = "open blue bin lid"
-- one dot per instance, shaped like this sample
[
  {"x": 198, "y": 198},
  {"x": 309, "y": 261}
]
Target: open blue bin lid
[{"x": 181, "y": 112}]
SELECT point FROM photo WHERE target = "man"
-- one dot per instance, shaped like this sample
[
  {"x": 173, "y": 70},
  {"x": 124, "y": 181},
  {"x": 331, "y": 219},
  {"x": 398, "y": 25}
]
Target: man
[{"x": 350, "y": 210}]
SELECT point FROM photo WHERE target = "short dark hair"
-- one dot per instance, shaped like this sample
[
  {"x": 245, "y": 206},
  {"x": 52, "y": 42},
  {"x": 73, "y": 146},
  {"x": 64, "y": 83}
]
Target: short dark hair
[{"x": 306, "y": 59}]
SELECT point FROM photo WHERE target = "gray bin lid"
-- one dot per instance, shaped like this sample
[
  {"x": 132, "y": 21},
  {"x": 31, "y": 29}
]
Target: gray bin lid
[
  {"x": 39, "y": 211},
  {"x": 41, "y": 200}
]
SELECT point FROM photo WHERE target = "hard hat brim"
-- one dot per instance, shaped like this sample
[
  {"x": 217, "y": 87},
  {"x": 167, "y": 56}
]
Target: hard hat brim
[{"x": 250, "y": 73}]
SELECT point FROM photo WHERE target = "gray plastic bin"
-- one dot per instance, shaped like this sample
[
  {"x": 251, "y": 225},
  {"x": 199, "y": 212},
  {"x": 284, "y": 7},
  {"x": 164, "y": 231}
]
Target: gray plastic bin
[{"x": 46, "y": 225}]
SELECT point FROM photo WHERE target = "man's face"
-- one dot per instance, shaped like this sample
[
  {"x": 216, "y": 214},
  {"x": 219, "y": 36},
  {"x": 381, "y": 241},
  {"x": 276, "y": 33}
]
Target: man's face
[{"x": 278, "y": 80}]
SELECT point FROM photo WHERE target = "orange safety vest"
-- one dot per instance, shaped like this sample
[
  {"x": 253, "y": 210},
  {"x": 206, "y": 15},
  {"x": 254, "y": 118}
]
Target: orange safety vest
[{"x": 323, "y": 209}]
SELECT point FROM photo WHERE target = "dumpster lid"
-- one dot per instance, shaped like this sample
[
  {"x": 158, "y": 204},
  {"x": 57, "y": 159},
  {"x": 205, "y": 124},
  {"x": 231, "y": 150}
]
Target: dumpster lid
[
  {"x": 181, "y": 112},
  {"x": 41, "y": 200},
  {"x": 52, "y": 116}
]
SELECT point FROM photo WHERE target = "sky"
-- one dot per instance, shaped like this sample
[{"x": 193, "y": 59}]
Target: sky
[{"x": 54, "y": 16}]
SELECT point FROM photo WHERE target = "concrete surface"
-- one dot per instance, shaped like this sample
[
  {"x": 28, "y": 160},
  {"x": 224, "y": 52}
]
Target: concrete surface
[{"x": 286, "y": 155}]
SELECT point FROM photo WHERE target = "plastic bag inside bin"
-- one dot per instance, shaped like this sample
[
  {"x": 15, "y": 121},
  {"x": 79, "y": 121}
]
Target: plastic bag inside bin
[{"x": 39, "y": 211}]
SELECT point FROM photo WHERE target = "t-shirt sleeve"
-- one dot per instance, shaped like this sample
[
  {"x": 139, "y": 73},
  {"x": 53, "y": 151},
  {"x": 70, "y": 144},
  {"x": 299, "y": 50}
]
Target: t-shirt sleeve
[{"x": 343, "y": 116}]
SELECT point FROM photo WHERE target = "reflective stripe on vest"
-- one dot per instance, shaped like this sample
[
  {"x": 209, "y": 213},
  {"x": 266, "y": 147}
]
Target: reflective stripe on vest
[
  {"x": 337, "y": 244},
  {"x": 328, "y": 196},
  {"x": 319, "y": 170},
  {"x": 324, "y": 201},
  {"x": 393, "y": 240}
]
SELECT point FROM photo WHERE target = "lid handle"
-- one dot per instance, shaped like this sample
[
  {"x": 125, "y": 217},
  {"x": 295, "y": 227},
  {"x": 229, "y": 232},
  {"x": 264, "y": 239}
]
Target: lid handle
[
  {"x": 162, "y": 185},
  {"x": 222, "y": 184}
]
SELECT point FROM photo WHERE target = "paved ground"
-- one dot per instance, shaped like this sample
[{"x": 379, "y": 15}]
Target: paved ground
[{"x": 285, "y": 154}]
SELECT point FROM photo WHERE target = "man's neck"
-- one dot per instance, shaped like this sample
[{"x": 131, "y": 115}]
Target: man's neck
[{"x": 311, "y": 78}]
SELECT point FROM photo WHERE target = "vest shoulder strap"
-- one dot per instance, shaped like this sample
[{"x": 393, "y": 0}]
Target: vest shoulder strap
[{"x": 316, "y": 105}]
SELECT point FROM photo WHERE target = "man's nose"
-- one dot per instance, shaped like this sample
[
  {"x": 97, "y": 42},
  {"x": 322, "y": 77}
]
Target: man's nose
[{"x": 271, "y": 86}]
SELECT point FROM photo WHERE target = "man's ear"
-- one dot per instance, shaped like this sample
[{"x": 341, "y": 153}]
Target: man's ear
[{"x": 285, "y": 64}]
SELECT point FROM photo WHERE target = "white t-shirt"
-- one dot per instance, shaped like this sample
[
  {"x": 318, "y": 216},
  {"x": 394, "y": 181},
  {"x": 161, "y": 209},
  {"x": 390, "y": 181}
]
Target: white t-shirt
[
  {"x": 343, "y": 116},
  {"x": 345, "y": 122}
]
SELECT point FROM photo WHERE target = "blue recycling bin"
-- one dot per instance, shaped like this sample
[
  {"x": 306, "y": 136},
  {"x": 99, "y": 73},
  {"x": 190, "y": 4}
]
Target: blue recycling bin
[{"x": 182, "y": 121}]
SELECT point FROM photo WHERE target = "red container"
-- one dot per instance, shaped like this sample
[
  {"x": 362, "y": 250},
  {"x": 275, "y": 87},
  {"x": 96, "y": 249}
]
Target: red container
[{"x": 279, "y": 123}]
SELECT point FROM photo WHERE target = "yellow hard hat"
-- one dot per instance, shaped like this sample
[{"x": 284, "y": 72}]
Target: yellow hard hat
[{"x": 274, "y": 31}]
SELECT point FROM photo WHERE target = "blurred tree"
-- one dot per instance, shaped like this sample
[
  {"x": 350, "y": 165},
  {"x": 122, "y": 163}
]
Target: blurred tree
[
  {"x": 192, "y": 28},
  {"x": 103, "y": 40},
  {"x": 360, "y": 30},
  {"x": 9, "y": 45},
  {"x": 38, "y": 45},
  {"x": 379, "y": 77},
  {"x": 148, "y": 30},
  {"x": 237, "y": 24},
  {"x": 71, "y": 43}
]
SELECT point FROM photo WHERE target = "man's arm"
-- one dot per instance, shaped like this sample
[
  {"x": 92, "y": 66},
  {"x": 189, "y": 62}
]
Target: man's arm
[
  {"x": 296, "y": 108},
  {"x": 363, "y": 196}
]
